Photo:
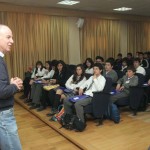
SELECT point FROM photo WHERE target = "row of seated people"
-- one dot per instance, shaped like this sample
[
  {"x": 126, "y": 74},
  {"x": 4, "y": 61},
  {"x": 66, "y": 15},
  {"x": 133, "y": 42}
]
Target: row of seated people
[
  {"x": 50, "y": 68},
  {"x": 119, "y": 65},
  {"x": 78, "y": 84},
  {"x": 144, "y": 59}
]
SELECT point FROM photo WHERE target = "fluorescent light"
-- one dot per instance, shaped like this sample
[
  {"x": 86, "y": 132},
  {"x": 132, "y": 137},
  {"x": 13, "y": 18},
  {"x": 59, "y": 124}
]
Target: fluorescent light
[
  {"x": 68, "y": 2},
  {"x": 123, "y": 9}
]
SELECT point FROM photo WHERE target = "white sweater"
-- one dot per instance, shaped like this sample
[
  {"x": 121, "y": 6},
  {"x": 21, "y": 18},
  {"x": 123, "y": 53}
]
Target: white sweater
[
  {"x": 97, "y": 86},
  {"x": 141, "y": 70},
  {"x": 39, "y": 72},
  {"x": 48, "y": 74},
  {"x": 89, "y": 71},
  {"x": 72, "y": 86}
]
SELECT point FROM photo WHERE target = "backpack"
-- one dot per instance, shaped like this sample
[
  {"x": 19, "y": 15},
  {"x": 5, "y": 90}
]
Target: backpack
[
  {"x": 113, "y": 113},
  {"x": 72, "y": 122}
]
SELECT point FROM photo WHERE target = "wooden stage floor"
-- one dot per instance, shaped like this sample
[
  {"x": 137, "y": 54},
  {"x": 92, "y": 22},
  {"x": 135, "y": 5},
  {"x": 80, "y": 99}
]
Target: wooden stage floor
[{"x": 132, "y": 133}]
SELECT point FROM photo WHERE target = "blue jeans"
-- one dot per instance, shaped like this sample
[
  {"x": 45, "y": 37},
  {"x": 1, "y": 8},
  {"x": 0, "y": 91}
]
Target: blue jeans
[{"x": 9, "y": 139}]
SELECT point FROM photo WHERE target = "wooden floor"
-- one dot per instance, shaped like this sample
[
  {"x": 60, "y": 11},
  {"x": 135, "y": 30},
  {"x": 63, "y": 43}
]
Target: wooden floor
[
  {"x": 36, "y": 135},
  {"x": 133, "y": 133}
]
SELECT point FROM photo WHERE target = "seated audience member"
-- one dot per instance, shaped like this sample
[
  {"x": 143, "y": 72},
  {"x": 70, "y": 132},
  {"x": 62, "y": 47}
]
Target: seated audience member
[
  {"x": 144, "y": 62},
  {"x": 60, "y": 77},
  {"x": 137, "y": 55},
  {"x": 49, "y": 71},
  {"x": 36, "y": 88},
  {"x": 118, "y": 62},
  {"x": 26, "y": 84},
  {"x": 93, "y": 84},
  {"x": 147, "y": 57},
  {"x": 72, "y": 86},
  {"x": 38, "y": 72},
  {"x": 89, "y": 66},
  {"x": 123, "y": 84},
  {"x": 124, "y": 65},
  {"x": 99, "y": 59},
  {"x": 138, "y": 68},
  {"x": 44, "y": 94},
  {"x": 109, "y": 72},
  {"x": 129, "y": 59},
  {"x": 112, "y": 60}
]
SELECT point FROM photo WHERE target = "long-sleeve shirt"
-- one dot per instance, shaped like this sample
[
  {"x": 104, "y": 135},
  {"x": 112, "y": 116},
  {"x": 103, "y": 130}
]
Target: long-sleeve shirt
[
  {"x": 72, "y": 86},
  {"x": 111, "y": 74},
  {"x": 48, "y": 74},
  {"x": 39, "y": 73},
  {"x": 141, "y": 70},
  {"x": 89, "y": 71},
  {"x": 61, "y": 78},
  {"x": 94, "y": 85}
]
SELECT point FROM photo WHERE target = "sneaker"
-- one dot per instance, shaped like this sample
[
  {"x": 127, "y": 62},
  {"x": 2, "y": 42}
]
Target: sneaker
[
  {"x": 53, "y": 118},
  {"x": 53, "y": 112},
  {"x": 41, "y": 108}
]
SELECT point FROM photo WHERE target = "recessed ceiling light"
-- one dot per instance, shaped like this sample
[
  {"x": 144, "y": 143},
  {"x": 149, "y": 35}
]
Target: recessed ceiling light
[
  {"x": 68, "y": 2},
  {"x": 123, "y": 9}
]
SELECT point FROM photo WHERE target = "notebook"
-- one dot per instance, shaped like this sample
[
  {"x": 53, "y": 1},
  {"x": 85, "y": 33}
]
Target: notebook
[{"x": 78, "y": 98}]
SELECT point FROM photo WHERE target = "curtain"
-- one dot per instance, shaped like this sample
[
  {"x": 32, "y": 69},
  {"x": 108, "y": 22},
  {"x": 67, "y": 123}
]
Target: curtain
[
  {"x": 36, "y": 37},
  {"x": 100, "y": 37},
  {"x": 138, "y": 36}
]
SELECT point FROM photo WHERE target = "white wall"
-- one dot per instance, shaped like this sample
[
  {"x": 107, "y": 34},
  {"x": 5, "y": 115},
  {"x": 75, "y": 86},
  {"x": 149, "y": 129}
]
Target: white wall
[{"x": 74, "y": 43}]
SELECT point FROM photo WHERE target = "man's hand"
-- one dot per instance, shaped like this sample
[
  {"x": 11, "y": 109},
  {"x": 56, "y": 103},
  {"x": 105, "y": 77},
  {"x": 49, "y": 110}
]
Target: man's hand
[
  {"x": 122, "y": 88},
  {"x": 17, "y": 81},
  {"x": 118, "y": 87}
]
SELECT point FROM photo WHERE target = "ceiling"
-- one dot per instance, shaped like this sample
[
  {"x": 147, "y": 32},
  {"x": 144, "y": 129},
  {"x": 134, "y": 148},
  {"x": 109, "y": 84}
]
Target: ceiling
[{"x": 140, "y": 7}]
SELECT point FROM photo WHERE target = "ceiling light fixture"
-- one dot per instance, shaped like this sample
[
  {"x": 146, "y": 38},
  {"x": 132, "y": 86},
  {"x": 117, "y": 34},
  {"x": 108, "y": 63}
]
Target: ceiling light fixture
[
  {"x": 123, "y": 9},
  {"x": 68, "y": 2}
]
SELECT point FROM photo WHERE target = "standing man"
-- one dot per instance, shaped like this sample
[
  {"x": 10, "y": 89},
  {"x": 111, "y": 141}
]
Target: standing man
[{"x": 9, "y": 139}]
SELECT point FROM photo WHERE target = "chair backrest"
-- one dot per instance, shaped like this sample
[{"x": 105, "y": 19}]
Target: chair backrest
[
  {"x": 71, "y": 69},
  {"x": 108, "y": 85},
  {"x": 120, "y": 73},
  {"x": 141, "y": 79},
  {"x": 88, "y": 75},
  {"x": 147, "y": 77}
]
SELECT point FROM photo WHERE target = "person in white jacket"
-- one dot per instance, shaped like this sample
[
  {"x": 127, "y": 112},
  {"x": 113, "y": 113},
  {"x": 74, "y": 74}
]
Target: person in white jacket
[
  {"x": 72, "y": 86},
  {"x": 39, "y": 71},
  {"x": 93, "y": 84}
]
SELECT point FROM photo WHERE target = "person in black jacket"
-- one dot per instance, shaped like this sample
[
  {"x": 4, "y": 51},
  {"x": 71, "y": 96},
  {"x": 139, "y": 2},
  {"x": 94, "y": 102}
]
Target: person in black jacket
[
  {"x": 9, "y": 138},
  {"x": 144, "y": 61},
  {"x": 60, "y": 77}
]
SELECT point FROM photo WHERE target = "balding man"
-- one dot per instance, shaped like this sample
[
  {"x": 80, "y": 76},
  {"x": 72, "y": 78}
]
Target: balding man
[{"x": 9, "y": 139}]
